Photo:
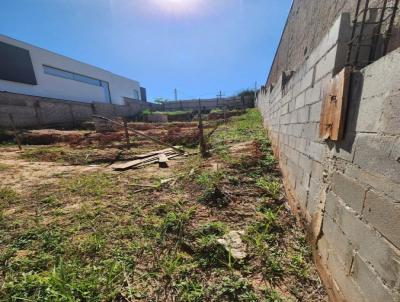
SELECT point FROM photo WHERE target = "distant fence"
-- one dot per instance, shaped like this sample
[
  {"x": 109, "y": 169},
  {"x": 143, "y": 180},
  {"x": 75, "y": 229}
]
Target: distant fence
[
  {"x": 209, "y": 104},
  {"x": 38, "y": 112}
]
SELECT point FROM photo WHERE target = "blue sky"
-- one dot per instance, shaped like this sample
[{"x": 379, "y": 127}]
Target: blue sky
[{"x": 198, "y": 47}]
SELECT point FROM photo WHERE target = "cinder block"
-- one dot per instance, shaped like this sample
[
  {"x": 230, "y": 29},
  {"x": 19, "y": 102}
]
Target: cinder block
[
  {"x": 338, "y": 241},
  {"x": 314, "y": 195},
  {"x": 300, "y": 100},
  {"x": 23, "y": 116},
  {"x": 55, "y": 113},
  {"x": 303, "y": 114},
  {"x": 308, "y": 80},
  {"x": 316, "y": 151},
  {"x": 82, "y": 112},
  {"x": 382, "y": 76},
  {"x": 346, "y": 284},
  {"x": 349, "y": 190},
  {"x": 371, "y": 286},
  {"x": 383, "y": 256},
  {"x": 310, "y": 131},
  {"x": 315, "y": 112},
  {"x": 313, "y": 94},
  {"x": 384, "y": 215},
  {"x": 372, "y": 153},
  {"x": 391, "y": 115},
  {"x": 326, "y": 65},
  {"x": 301, "y": 193}
]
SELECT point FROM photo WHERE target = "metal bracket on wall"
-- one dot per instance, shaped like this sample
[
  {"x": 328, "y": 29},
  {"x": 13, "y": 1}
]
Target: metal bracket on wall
[{"x": 334, "y": 106}]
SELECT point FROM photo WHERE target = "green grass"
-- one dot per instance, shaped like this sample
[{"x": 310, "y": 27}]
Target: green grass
[
  {"x": 90, "y": 185},
  {"x": 7, "y": 195},
  {"x": 88, "y": 237},
  {"x": 241, "y": 128}
]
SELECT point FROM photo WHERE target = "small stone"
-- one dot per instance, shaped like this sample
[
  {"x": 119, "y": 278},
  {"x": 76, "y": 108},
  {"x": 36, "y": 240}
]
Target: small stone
[{"x": 233, "y": 243}]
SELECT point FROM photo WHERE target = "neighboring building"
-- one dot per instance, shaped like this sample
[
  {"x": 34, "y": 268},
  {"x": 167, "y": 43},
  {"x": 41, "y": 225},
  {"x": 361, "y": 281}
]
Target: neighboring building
[{"x": 30, "y": 70}]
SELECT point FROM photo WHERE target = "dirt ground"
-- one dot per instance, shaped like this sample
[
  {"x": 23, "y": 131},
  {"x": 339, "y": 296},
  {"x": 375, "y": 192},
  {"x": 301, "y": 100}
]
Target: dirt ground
[{"x": 73, "y": 229}]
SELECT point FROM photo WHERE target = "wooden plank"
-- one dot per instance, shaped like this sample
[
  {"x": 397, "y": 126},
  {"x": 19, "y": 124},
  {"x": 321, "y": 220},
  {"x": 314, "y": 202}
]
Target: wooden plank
[
  {"x": 334, "y": 106},
  {"x": 142, "y": 162},
  {"x": 153, "y": 153}
]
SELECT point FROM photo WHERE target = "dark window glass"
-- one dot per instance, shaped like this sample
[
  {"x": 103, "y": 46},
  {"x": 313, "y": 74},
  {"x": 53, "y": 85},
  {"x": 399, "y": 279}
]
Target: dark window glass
[{"x": 16, "y": 64}]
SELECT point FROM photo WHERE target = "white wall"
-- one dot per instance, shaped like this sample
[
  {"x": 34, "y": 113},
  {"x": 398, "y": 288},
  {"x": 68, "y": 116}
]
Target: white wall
[{"x": 60, "y": 88}]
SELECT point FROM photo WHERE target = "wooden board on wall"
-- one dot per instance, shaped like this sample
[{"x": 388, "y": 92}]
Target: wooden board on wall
[{"x": 334, "y": 106}]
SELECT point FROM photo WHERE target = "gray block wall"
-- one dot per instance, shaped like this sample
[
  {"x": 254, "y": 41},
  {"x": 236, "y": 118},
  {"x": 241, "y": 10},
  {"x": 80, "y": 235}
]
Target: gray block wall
[
  {"x": 346, "y": 192},
  {"x": 209, "y": 104},
  {"x": 37, "y": 112}
]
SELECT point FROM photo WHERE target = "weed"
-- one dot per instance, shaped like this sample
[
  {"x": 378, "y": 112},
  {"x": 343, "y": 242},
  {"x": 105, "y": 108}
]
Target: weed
[
  {"x": 270, "y": 187},
  {"x": 271, "y": 295},
  {"x": 172, "y": 265},
  {"x": 190, "y": 291},
  {"x": 272, "y": 268},
  {"x": 209, "y": 180},
  {"x": 91, "y": 245},
  {"x": 216, "y": 228},
  {"x": 214, "y": 197},
  {"x": 174, "y": 222},
  {"x": 234, "y": 288},
  {"x": 298, "y": 266}
]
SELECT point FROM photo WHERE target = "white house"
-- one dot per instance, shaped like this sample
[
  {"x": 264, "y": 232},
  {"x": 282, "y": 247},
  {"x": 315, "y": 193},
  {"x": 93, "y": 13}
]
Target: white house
[{"x": 31, "y": 70}]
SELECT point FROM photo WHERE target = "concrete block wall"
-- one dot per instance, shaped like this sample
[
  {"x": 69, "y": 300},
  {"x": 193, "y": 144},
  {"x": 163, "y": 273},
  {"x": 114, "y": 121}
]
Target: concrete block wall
[
  {"x": 37, "y": 112},
  {"x": 346, "y": 192},
  {"x": 209, "y": 104}
]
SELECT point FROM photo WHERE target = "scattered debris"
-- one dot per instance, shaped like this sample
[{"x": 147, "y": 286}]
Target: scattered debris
[
  {"x": 160, "y": 157},
  {"x": 162, "y": 160}
]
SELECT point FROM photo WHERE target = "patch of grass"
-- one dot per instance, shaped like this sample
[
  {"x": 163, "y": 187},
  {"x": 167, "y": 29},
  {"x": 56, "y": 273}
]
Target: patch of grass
[
  {"x": 271, "y": 187},
  {"x": 271, "y": 295},
  {"x": 7, "y": 195},
  {"x": 53, "y": 153},
  {"x": 241, "y": 128},
  {"x": 89, "y": 185},
  {"x": 209, "y": 179},
  {"x": 4, "y": 167},
  {"x": 190, "y": 291},
  {"x": 234, "y": 289},
  {"x": 174, "y": 222},
  {"x": 298, "y": 266}
]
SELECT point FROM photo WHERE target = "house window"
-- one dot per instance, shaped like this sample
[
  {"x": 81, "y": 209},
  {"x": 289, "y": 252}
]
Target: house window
[{"x": 71, "y": 76}]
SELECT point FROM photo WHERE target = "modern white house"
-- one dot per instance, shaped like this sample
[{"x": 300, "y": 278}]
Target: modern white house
[{"x": 30, "y": 70}]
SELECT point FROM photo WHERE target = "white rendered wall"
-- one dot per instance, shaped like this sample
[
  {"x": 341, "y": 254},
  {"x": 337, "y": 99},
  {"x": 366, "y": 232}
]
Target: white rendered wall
[{"x": 55, "y": 87}]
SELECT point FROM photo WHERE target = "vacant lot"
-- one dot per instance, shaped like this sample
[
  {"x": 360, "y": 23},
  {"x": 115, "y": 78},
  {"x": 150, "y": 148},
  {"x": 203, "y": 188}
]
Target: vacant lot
[{"x": 215, "y": 229}]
